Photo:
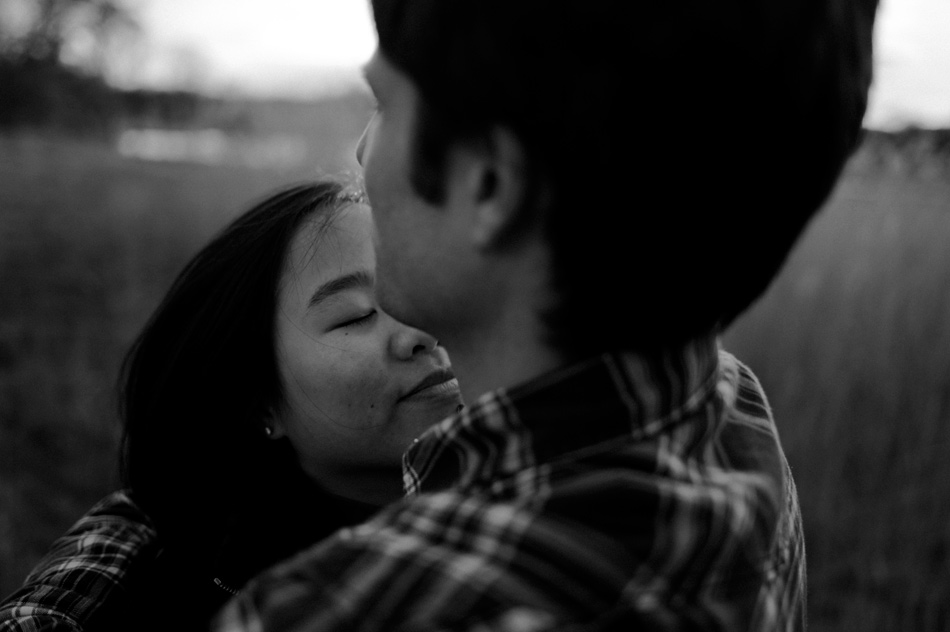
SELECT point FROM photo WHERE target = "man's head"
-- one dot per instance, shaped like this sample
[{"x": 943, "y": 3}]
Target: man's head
[{"x": 670, "y": 154}]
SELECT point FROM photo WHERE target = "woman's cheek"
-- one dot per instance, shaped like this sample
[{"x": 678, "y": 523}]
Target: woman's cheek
[{"x": 374, "y": 397}]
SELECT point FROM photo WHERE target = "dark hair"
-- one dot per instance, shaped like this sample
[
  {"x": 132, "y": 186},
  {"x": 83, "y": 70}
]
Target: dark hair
[
  {"x": 686, "y": 145},
  {"x": 200, "y": 379}
]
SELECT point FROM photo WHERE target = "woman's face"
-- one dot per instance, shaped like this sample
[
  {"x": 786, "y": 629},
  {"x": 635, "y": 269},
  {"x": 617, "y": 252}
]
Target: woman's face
[{"x": 358, "y": 386}]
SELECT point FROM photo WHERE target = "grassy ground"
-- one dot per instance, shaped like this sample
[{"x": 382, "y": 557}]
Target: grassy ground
[{"x": 852, "y": 344}]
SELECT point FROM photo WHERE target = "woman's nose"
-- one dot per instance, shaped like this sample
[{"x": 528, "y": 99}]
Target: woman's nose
[{"x": 408, "y": 342}]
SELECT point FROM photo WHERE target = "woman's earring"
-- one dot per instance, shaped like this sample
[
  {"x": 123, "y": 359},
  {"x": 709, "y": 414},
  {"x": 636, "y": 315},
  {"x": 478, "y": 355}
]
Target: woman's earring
[{"x": 268, "y": 431}]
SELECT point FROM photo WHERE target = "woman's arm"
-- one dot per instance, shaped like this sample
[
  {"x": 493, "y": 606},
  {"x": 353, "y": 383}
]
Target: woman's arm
[{"x": 84, "y": 568}]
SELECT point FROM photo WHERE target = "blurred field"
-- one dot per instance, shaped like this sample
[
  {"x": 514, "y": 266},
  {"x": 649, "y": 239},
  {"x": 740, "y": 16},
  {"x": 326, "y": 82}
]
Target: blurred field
[{"x": 852, "y": 344}]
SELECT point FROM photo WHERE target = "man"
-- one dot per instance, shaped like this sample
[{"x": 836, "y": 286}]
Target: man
[{"x": 576, "y": 198}]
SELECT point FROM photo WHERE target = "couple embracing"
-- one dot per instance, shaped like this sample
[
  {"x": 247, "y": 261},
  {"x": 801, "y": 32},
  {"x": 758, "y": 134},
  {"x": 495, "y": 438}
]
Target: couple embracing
[{"x": 574, "y": 199}]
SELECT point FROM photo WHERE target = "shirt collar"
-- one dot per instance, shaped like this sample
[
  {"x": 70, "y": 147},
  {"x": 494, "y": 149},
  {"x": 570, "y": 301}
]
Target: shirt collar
[{"x": 562, "y": 413}]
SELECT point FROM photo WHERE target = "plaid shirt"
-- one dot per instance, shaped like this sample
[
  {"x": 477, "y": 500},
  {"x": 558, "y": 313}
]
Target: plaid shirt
[
  {"x": 616, "y": 494},
  {"x": 82, "y": 570}
]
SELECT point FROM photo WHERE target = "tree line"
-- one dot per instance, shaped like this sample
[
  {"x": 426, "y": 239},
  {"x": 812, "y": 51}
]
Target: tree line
[{"x": 54, "y": 60}]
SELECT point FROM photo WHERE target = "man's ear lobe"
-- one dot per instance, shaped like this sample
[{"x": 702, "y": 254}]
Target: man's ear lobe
[{"x": 501, "y": 193}]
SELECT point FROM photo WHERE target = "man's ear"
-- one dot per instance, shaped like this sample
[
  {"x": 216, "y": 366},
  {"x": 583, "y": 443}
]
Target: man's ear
[{"x": 500, "y": 190}]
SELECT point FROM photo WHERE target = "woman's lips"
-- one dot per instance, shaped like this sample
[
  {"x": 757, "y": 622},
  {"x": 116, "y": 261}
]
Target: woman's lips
[{"x": 439, "y": 383}]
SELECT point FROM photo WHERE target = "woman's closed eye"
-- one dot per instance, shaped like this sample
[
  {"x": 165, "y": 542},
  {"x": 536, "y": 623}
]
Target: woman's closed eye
[{"x": 363, "y": 319}]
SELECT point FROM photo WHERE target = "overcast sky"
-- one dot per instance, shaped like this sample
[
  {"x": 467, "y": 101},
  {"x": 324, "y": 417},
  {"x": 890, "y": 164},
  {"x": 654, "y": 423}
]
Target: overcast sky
[{"x": 300, "y": 47}]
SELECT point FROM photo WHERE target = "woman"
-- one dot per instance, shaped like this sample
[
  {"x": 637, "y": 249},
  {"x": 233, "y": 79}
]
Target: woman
[{"x": 266, "y": 404}]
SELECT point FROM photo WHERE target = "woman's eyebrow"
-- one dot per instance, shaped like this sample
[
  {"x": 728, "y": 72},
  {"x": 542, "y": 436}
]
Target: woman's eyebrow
[{"x": 360, "y": 279}]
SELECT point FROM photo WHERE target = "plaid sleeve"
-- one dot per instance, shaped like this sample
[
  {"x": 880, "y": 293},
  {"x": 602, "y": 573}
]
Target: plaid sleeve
[{"x": 81, "y": 569}]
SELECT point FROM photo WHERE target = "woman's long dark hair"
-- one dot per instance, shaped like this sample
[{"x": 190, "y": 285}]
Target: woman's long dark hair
[{"x": 200, "y": 379}]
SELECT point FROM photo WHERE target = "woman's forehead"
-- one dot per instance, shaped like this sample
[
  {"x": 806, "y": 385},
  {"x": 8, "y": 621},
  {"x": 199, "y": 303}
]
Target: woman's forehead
[{"x": 325, "y": 247}]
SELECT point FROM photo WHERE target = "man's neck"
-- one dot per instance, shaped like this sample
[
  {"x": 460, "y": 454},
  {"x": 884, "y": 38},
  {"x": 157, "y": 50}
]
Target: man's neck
[
  {"x": 506, "y": 356},
  {"x": 507, "y": 344}
]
